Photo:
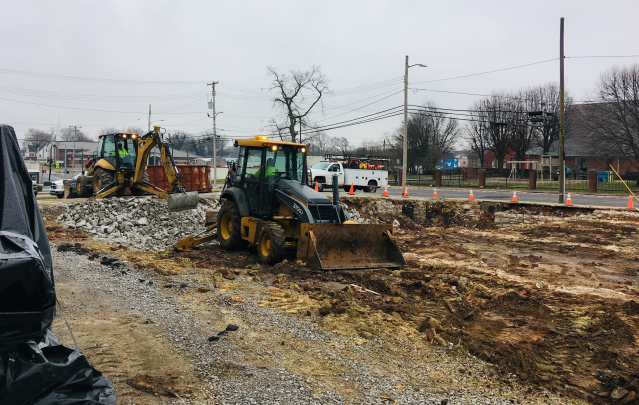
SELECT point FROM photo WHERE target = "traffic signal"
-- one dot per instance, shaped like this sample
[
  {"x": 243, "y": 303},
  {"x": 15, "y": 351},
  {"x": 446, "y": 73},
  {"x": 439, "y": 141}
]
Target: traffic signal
[{"x": 44, "y": 171}]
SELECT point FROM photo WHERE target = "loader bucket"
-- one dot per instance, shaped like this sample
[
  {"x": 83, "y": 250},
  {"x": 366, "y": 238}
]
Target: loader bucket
[
  {"x": 349, "y": 246},
  {"x": 182, "y": 201}
]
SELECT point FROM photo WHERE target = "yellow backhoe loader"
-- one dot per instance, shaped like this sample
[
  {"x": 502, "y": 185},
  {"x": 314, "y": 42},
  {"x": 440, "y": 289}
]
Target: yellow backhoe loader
[
  {"x": 120, "y": 162},
  {"x": 266, "y": 202}
]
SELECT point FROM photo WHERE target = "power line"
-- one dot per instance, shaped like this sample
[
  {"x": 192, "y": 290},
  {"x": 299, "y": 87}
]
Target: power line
[
  {"x": 359, "y": 108},
  {"x": 102, "y": 98},
  {"x": 601, "y": 56},
  {"x": 488, "y": 72},
  {"x": 93, "y": 79}
]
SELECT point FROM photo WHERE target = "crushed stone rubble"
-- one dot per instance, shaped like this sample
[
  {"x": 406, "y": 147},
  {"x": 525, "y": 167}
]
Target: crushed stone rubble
[
  {"x": 364, "y": 382},
  {"x": 139, "y": 223}
]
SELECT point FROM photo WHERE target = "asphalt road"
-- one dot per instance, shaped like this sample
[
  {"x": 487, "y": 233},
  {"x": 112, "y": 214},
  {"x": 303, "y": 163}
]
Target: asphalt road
[
  {"x": 525, "y": 196},
  {"x": 578, "y": 199}
]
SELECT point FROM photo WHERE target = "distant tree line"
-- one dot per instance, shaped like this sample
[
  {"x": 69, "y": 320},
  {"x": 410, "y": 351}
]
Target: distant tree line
[{"x": 514, "y": 122}]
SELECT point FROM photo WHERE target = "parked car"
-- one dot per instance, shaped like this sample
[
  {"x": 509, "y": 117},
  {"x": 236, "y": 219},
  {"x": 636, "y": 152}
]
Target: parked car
[{"x": 57, "y": 187}]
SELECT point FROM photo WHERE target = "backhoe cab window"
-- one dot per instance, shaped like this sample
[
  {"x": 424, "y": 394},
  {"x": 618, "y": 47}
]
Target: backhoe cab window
[
  {"x": 126, "y": 152},
  {"x": 118, "y": 151},
  {"x": 284, "y": 163},
  {"x": 253, "y": 164},
  {"x": 288, "y": 162}
]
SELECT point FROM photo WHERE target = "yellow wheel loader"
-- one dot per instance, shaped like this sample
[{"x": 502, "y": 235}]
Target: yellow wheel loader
[
  {"x": 120, "y": 163},
  {"x": 266, "y": 202}
]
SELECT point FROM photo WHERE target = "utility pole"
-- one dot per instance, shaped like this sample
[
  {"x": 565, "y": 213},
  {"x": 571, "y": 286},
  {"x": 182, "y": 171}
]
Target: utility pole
[
  {"x": 50, "y": 153},
  {"x": 214, "y": 136},
  {"x": 405, "y": 155},
  {"x": 562, "y": 161},
  {"x": 148, "y": 128},
  {"x": 75, "y": 134},
  {"x": 405, "y": 152}
]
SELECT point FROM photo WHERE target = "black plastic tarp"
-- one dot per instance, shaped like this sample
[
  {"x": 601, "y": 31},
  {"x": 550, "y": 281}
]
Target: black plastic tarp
[{"x": 34, "y": 367}]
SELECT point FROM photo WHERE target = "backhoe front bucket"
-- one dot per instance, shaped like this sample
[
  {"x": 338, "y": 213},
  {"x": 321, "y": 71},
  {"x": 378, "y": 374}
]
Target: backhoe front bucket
[
  {"x": 182, "y": 201},
  {"x": 349, "y": 246}
]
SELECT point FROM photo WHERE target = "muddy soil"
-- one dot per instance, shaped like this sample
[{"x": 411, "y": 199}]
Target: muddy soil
[{"x": 554, "y": 301}]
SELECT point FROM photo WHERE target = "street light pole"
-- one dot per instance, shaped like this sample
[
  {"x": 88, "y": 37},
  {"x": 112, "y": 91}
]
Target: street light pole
[{"x": 405, "y": 153}]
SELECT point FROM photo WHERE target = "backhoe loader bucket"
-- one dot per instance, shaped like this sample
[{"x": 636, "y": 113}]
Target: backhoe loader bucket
[
  {"x": 349, "y": 246},
  {"x": 182, "y": 201}
]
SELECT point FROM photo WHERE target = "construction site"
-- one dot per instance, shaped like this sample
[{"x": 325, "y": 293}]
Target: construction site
[
  {"x": 270, "y": 291},
  {"x": 522, "y": 304}
]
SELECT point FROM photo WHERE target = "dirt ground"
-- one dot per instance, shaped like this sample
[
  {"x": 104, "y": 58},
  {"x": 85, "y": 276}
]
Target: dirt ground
[{"x": 554, "y": 302}]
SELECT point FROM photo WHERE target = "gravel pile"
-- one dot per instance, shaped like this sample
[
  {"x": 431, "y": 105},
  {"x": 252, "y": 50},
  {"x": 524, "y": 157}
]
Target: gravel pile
[
  {"x": 142, "y": 223},
  {"x": 365, "y": 380}
]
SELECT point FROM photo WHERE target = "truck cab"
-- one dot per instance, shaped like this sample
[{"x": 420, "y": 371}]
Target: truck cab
[{"x": 322, "y": 173}]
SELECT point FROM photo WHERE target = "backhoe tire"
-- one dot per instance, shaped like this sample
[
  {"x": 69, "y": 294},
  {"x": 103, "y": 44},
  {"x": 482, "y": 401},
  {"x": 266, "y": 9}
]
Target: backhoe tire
[
  {"x": 138, "y": 192},
  {"x": 271, "y": 244},
  {"x": 101, "y": 178},
  {"x": 229, "y": 227},
  {"x": 84, "y": 185}
]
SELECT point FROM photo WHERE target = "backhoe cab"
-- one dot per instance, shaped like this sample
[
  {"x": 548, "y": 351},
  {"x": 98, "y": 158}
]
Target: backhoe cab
[
  {"x": 267, "y": 202},
  {"x": 120, "y": 163}
]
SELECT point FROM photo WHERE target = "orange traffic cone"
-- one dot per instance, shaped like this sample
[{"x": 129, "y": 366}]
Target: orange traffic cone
[
  {"x": 630, "y": 206},
  {"x": 514, "y": 196},
  {"x": 405, "y": 192},
  {"x": 316, "y": 187},
  {"x": 351, "y": 192},
  {"x": 471, "y": 197},
  {"x": 568, "y": 200},
  {"x": 435, "y": 193},
  {"x": 385, "y": 191}
]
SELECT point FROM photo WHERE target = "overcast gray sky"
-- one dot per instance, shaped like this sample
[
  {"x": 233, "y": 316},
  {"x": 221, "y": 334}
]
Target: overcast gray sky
[{"x": 100, "y": 64}]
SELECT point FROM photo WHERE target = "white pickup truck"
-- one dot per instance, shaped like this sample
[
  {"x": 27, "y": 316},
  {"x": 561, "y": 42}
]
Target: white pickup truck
[{"x": 368, "y": 180}]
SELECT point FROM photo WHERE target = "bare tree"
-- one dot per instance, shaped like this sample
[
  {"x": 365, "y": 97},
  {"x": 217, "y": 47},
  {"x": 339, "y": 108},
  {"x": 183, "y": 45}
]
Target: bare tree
[
  {"x": 544, "y": 109},
  {"x": 477, "y": 133},
  {"x": 339, "y": 146},
  {"x": 522, "y": 133},
  {"x": 320, "y": 143},
  {"x": 497, "y": 117},
  {"x": 372, "y": 148},
  {"x": 36, "y": 138},
  {"x": 179, "y": 138},
  {"x": 108, "y": 130},
  {"x": 134, "y": 130},
  {"x": 615, "y": 120},
  {"x": 431, "y": 135},
  {"x": 37, "y": 135},
  {"x": 73, "y": 134},
  {"x": 298, "y": 92}
]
